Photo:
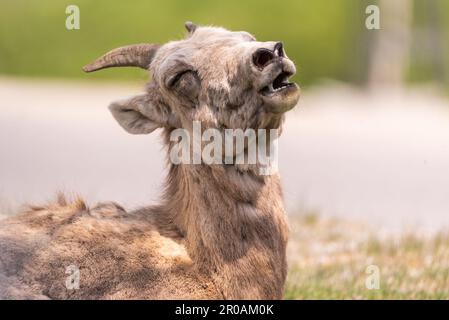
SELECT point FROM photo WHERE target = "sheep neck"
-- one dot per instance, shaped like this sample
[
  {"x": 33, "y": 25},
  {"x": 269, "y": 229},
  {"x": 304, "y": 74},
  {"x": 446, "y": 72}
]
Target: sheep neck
[{"x": 234, "y": 227}]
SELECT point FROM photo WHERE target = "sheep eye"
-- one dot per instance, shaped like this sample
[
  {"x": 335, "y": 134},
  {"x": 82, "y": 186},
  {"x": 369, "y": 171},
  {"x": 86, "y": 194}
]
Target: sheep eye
[
  {"x": 175, "y": 79},
  {"x": 185, "y": 84}
]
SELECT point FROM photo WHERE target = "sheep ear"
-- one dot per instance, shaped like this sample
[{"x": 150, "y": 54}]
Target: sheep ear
[{"x": 143, "y": 114}]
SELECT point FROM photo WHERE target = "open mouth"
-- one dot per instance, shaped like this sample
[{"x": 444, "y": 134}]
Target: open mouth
[{"x": 279, "y": 84}]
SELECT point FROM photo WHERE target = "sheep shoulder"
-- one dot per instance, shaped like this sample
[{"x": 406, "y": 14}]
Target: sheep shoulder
[{"x": 118, "y": 255}]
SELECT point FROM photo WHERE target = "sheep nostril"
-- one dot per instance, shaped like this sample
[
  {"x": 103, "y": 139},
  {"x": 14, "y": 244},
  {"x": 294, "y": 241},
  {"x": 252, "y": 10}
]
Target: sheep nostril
[
  {"x": 262, "y": 57},
  {"x": 279, "y": 49}
]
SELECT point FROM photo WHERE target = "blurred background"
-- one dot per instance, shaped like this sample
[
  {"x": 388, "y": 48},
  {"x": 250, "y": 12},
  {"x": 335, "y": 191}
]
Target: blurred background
[{"x": 368, "y": 141}]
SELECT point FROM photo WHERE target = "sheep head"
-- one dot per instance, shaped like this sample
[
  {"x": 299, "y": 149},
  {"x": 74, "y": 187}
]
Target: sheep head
[{"x": 222, "y": 78}]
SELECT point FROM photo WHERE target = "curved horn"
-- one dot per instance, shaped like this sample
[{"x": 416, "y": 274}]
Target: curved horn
[
  {"x": 190, "y": 26},
  {"x": 137, "y": 55}
]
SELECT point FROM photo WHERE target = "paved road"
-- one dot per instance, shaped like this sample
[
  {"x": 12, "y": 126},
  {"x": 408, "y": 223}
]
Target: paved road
[{"x": 381, "y": 158}]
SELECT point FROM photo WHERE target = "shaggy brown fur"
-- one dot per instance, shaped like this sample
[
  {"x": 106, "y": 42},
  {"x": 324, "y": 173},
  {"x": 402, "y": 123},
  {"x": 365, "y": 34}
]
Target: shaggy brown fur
[
  {"x": 220, "y": 230},
  {"x": 119, "y": 255}
]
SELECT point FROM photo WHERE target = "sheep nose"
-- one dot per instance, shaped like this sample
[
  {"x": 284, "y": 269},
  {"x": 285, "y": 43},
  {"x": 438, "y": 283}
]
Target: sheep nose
[
  {"x": 279, "y": 49},
  {"x": 263, "y": 56}
]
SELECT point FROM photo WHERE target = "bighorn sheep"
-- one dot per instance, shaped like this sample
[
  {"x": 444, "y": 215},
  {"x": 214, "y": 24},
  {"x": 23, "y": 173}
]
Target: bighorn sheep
[{"x": 220, "y": 230}]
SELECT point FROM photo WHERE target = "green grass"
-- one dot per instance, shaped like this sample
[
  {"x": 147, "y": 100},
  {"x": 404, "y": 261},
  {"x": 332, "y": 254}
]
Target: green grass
[
  {"x": 318, "y": 35},
  {"x": 329, "y": 260},
  {"x": 326, "y": 39}
]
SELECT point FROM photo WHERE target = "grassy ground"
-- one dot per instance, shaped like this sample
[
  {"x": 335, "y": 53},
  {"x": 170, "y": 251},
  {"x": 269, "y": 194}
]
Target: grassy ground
[{"x": 330, "y": 259}]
